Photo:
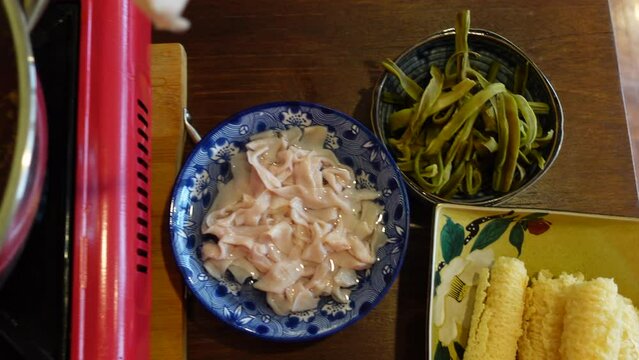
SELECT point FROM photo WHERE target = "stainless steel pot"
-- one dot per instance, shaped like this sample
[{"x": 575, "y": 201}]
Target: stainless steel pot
[{"x": 23, "y": 135}]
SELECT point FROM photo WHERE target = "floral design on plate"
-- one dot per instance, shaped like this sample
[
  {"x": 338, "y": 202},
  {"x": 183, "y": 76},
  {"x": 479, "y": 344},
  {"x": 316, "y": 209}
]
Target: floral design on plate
[
  {"x": 365, "y": 180},
  {"x": 334, "y": 310},
  {"x": 228, "y": 286},
  {"x": 374, "y": 151},
  {"x": 199, "y": 185},
  {"x": 332, "y": 141},
  {"x": 450, "y": 309},
  {"x": 305, "y": 316},
  {"x": 223, "y": 151},
  {"x": 236, "y": 316},
  {"x": 298, "y": 118},
  {"x": 294, "y": 319}
]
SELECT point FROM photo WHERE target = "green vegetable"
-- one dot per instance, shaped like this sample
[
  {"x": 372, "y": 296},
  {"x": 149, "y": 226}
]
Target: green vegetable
[
  {"x": 412, "y": 89},
  {"x": 465, "y": 133},
  {"x": 493, "y": 71},
  {"x": 512, "y": 149},
  {"x": 467, "y": 110}
]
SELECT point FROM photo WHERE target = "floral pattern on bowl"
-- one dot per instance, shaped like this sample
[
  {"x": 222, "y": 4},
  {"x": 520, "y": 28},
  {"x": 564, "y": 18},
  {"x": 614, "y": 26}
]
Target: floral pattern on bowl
[
  {"x": 240, "y": 305},
  {"x": 467, "y": 239}
]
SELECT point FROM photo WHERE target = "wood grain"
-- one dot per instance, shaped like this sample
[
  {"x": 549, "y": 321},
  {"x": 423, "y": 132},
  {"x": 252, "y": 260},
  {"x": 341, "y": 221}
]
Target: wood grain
[
  {"x": 625, "y": 19},
  {"x": 242, "y": 54},
  {"x": 168, "y": 77}
]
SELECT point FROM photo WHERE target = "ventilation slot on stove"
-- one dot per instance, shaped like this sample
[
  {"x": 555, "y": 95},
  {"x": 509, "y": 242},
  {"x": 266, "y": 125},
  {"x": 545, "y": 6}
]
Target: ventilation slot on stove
[{"x": 142, "y": 174}]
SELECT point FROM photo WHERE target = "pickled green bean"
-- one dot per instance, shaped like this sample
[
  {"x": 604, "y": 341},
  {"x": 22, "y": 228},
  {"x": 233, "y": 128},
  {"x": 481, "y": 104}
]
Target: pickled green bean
[
  {"x": 512, "y": 150},
  {"x": 468, "y": 109},
  {"x": 409, "y": 85},
  {"x": 465, "y": 132}
]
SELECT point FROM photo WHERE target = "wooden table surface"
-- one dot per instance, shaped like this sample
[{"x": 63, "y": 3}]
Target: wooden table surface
[{"x": 245, "y": 53}]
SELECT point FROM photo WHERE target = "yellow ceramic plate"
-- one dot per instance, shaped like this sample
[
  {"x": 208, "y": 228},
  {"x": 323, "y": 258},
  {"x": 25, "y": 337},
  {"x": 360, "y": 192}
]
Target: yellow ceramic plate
[{"x": 469, "y": 238}]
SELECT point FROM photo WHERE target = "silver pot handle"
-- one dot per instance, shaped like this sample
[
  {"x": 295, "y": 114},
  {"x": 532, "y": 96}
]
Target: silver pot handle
[
  {"x": 33, "y": 10},
  {"x": 190, "y": 129}
]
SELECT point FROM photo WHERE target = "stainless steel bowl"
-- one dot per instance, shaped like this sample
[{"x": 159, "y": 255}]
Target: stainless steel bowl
[{"x": 435, "y": 50}]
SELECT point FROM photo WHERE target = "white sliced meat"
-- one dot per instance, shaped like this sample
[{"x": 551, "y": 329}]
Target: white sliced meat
[
  {"x": 356, "y": 226},
  {"x": 269, "y": 180},
  {"x": 315, "y": 252},
  {"x": 227, "y": 194},
  {"x": 274, "y": 253},
  {"x": 320, "y": 228},
  {"x": 232, "y": 191},
  {"x": 260, "y": 261},
  {"x": 216, "y": 268},
  {"x": 345, "y": 277},
  {"x": 211, "y": 250},
  {"x": 362, "y": 195},
  {"x": 256, "y": 186},
  {"x": 242, "y": 269},
  {"x": 371, "y": 213},
  {"x": 238, "y": 240},
  {"x": 293, "y": 219},
  {"x": 377, "y": 240},
  {"x": 314, "y": 137},
  {"x": 298, "y": 213},
  {"x": 322, "y": 278},
  {"x": 309, "y": 269},
  {"x": 283, "y": 167},
  {"x": 222, "y": 251},
  {"x": 340, "y": 201},
  {"x": 266, "y": 134},
  {"x": 220, "y": 230},
  {"x": 359, "y": 250},
  {"x": 304, "y": 173},
  {"x": 251, "y": 215},
  {"x": 345, "y": 259},
  {"x": 312, "y": 198},
  {"x": 330, "y": 160},
  {"x": 278, "y": 202},
  {"x": 293, "y": 136},
  {"x": 329, "y": 214},
  {"x": 296, "y": 250},
  {"x": 337, "y": 241},
  {"x": 301, "y": 234},
  {"x": 279, "y": 303},
  {"x": 301, "y": 298},
  {"x": 282, "y": 275},
  {"x": 266, "y": 148},
  {"x": 341, "y": 295},
  {"x": 337, "y": 178},
  {"x": 281, "y": 234}
]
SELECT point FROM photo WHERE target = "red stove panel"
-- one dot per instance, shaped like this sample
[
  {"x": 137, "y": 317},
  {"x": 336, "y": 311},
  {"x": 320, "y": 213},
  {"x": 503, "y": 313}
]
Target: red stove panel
[{"x": 111, "y": 302}]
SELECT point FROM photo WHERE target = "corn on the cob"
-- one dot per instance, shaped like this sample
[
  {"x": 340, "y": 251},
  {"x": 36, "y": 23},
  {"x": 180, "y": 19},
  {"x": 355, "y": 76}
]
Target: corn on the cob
[
  {"x": 544, "y": 315},
  {"x": 592, "y": 323},
  {"x": 497, "y": 316}
]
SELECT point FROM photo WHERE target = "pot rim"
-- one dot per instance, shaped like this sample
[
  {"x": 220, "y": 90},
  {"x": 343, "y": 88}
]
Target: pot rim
[{"x": 25, "y": 159}]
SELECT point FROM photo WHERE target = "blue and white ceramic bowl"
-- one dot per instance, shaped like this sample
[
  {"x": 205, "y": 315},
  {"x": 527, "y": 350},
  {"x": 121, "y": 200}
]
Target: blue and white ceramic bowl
[{"x": 240, "y": 305}]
